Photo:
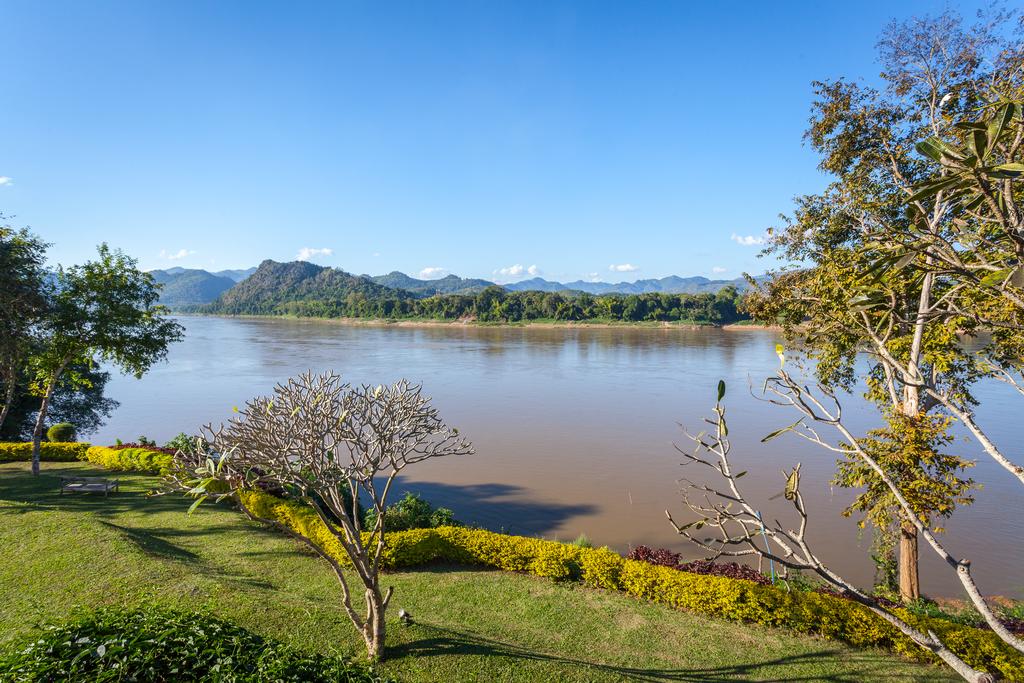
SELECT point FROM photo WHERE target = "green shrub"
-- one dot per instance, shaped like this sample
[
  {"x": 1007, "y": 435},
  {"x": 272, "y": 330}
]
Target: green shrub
[
  {"x": 48, "y": 451},
  {"x": 181, "y": 442},
  {"x": 734, "y": 599},
  {"x": 62, "y": 431},
  {"x": 129, "y": 459},
  {"x": 583, "y": 541},
  {"x": 152, "y": 644},
  {"x": 412, "y": 512}
]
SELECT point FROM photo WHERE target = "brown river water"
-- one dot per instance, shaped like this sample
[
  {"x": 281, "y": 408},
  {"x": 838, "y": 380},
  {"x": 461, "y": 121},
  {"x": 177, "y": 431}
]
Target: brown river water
[{"x": 574, "y": 427}]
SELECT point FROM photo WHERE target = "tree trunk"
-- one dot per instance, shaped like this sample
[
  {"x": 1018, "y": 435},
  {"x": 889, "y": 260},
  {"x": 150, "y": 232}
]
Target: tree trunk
[
  {"x": 910, "y": 588},
  {"x": 8, "y": 399},
  {"x": 374, "y": 629},
  {"x": 37, "y": 433}
]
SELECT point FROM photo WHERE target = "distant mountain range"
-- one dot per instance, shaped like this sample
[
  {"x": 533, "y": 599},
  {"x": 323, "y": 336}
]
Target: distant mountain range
[
  {"x": 273, "y": 282},
  {"x": 189, "y": 287},
  {"x": 672, "y": 284},
  {"x": 451, "y": 284}
]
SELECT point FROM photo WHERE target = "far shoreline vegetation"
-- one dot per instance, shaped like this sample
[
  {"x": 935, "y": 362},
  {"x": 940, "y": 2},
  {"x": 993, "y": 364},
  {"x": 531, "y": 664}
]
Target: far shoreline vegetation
[
  {"x": 304, "y": 290},
  {"x": 540, "y": 323}
]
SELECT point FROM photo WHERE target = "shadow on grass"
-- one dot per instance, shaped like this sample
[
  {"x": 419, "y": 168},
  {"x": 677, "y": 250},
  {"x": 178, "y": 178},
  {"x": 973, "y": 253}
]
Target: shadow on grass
[
  {"x": 856, "y": 666},
  {"x": 153, "y": 543}
]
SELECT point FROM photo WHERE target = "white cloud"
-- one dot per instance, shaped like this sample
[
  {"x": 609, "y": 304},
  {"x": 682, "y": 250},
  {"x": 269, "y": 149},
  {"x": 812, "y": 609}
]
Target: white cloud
[
  {"x": 177, "y": 255},
  {"x": 518, "y": 270},
  {"x": 593, "y": 277},
  {"x": 718, "y": 269},
  {"x": 306, "y": 253},
  {"x": 624, "y": 268},
  {"x": 748, "y": 240},
  {"x": 6, "y": 180},
  {"x": 433, "y": 272}
]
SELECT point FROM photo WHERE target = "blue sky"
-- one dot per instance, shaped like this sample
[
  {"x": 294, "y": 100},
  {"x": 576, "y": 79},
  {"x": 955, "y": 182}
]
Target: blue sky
[{"x": 585, "y": 140}]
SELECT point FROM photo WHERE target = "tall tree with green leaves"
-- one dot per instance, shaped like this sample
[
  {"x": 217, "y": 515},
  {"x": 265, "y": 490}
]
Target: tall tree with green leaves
[
  {"x": 840, "y": 302},
  {"x": 22, "y": 305},
  {"x": 102, "y": 311}
]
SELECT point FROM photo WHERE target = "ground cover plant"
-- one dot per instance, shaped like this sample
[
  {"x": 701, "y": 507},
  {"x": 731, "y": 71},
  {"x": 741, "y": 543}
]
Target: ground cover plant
[
  {"x": 469, "y": 623},
  {"x": 157, "y": 644}
]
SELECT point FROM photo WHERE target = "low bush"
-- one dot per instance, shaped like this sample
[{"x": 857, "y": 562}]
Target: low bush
[
  {"x": 48, "y": 451},
  {"x": 666, "y": 558},
  {"x": 152, "y": 644},
  {"x": 736, "y": 599},
  {"x": 142, "y": 460},
  {"x": 62, "y": 431},
  {"x": 144, "y": 446},
  {"x": 412, "y": 512}
]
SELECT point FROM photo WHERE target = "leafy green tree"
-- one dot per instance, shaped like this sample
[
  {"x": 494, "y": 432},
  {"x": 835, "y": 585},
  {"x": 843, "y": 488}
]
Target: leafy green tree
[
  {"x": 102, "y": 311},
  {"x": 22, "y": 305},
  {"x": 841, "y": 301},
  {"x": 84, "y": 405}
]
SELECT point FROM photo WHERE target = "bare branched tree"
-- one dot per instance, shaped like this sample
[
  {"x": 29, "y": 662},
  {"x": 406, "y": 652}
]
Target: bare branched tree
[
  {"x": 332, "y": 445},
  {"x": 738, "y": 530}
]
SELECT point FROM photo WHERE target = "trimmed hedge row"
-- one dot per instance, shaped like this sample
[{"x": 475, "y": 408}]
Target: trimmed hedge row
[
  {"x": 49, "y": 451},
  {"x": 129, "y": 459},
  {"x": 735, "y": 599}
]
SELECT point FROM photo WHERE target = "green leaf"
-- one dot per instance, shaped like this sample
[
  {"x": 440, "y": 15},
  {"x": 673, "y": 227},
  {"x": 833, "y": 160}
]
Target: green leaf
[
  {"x": 199, "y": 501},
  {"x": 721, "y": 390},
  {"x": 937, "y": 150},
  {"x": 779, "y": 432},
  {"x": 1014, "y": 167},
  {"x": 978, "y": 141},
  {"x": 997, "y": 277},
  {"x": 931, "y": 187},
  {"x": 930, "y": 149},
  {"x": 996, "y": 127}
]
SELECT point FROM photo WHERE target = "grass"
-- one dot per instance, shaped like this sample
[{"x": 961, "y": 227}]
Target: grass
[{"x": 64, "y": 553}]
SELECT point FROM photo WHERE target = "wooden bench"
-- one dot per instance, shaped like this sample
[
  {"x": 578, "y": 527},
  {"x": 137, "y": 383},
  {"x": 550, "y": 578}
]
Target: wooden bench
[{"x": 86, "y": 484}]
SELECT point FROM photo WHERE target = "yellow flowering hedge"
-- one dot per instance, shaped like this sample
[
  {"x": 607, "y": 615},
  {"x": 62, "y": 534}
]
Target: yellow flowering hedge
[
  {"x": 719, "y": 596},
  {"x": 50, "y": 451},
  {"x": 129, "y": 459}
]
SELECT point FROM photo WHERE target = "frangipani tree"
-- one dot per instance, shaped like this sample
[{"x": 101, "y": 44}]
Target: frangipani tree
[{"x": 331, "y": 446}]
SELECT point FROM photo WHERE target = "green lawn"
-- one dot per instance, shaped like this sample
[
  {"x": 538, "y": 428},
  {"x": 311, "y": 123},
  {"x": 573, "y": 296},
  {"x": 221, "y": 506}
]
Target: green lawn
[{"x": 66, "y": 552}]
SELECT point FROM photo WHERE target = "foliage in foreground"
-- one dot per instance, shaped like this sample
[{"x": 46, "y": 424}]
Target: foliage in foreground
[
  {"x": 734, "y": 599},
  {"x": 156, "y": 644}
]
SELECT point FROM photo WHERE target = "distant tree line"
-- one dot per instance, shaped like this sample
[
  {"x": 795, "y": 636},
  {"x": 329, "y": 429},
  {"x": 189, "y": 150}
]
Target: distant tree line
[{"x": 495, "y": 304}]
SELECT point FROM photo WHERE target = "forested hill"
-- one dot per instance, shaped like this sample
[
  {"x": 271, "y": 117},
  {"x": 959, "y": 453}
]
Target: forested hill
[
  {"x": 301, "y": 288},
  {"x": 304, "y": 289}
]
